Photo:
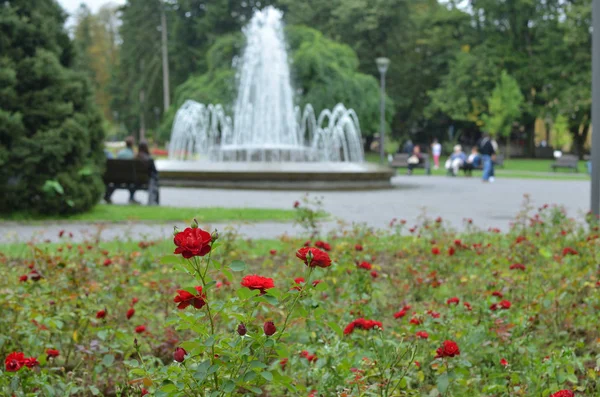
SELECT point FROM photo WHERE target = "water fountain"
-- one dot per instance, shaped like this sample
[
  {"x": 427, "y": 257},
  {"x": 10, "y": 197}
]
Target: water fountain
[{"x": 268, "y": 139}]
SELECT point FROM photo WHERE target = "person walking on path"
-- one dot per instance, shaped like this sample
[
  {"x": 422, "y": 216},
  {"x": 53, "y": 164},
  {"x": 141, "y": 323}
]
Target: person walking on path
[
  {"x": 436, "y": 150},
  {"x": 488, "y": 155}
]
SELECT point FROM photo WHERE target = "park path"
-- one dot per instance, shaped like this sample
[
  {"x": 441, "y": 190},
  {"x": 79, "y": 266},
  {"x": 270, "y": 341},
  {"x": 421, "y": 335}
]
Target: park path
[{"x": 454, "y": 199}]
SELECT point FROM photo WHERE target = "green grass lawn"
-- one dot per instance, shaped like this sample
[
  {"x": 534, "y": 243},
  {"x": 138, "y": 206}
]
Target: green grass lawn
[
  {"x": 513, "y": 168},
  {"x": 121, "y": 213}
]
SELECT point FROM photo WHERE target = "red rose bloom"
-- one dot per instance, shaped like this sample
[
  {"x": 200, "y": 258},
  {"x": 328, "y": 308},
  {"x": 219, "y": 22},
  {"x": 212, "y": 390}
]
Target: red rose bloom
[
  {"x": 498, "y": 294},
  {"x": 308, "y": 356},
  {"x": 451, "y": 251},
  {"x": 179, "y": 354},
  {"x": 503, "y": 362},
  {"x": 422, "y": 334},
  {"x": 258, "y": 282},
  {"x": 448, "y": 349},
  {"x": 316, "y": 282},
  {"x": 299, "y": 280},
  {"x": 107, "y": 262},
  {"x": 273, "y": 252},
  {"x": 186, "y": 299},
  {"x": 23, "y": 278},
  {"x": 366, "y": 266},
  {"x": 140, "y": 329},
  {"x": 361, "y": 323},
  {"x": 435, "y": 251},
  {"x": 468, "y": 306},
  {"x": 505, "y": 304},
  {"x": 34, "y": 275},
  {"x": 130, "y": 313},
  {"x": 296, "y": 204},
  {"x": 269, "y": 328},
  {"x": 283, "y": 362},
  {"x": 400, "y": 314},
  {"x": 415, "y": 321},
  {"x": 192, "y": 242},
  {"x": 358, "y": 247},
  {"x": 319, "y": 258},
  {"x": 144, "y": 392},
  {"x": 374, "y": 274},
  {"x": 31, "y": 362},
  {"x": 453, "y": 301},
  {"x": 101, "y": 313},
  {"x": 14, "y": 362},
  {"x": 52, "y": 353},
  {"x": 563, "y": 393},
  {"x": 517, "y": 266}
]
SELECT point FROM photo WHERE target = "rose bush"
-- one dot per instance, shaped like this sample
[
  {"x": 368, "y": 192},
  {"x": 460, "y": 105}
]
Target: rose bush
[{"x": 177, "y": 318}]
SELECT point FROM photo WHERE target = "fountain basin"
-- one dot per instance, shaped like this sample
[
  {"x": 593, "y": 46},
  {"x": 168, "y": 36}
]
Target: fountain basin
[{"x": 274, "y": 175}]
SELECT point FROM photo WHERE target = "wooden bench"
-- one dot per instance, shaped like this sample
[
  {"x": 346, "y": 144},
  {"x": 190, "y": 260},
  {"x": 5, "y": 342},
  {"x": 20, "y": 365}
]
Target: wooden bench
[
  {"x": 130, "y": 174},
  {"x": 499, "y": 162},
  {"x": 566, "y": 161},
  {"x": 400, "y": 160}
]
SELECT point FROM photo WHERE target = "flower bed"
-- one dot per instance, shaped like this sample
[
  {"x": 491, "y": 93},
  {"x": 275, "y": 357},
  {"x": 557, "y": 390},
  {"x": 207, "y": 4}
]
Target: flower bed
[{"x": 415, "y": 310}]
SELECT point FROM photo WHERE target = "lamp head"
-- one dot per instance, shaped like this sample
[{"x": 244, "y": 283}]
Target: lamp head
[{"x": 382, "y": 64}]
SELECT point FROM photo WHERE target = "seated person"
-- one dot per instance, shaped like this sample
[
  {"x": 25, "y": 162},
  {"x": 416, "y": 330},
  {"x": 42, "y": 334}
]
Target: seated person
[
  {"x": 473, "y": 161},
  {"x": 126, "y": 153},
  {"x": 456, "y": 160},
  {"x": 144, "y": 155},
  {"x": 415, "y": 159}
]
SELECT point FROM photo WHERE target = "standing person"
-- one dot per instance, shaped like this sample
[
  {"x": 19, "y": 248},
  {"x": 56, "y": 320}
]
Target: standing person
[
  {"x": 436, "y": 150},
  {"x": 488, "y": 155},
  {"x": 144, "y": 155}
]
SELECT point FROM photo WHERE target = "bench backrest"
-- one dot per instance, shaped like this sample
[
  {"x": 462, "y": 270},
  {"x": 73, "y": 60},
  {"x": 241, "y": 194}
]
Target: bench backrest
[
  {"x": 120, "y": 171},
  {"x": 568, "y": 160},
  {"x": 400, "y": 160}
]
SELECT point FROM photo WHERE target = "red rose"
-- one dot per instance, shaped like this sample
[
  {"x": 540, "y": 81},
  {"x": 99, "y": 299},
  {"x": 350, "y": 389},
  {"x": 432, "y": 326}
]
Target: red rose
[
  {"x": 503, "y": 362},
  {"x": 453, "y": 300},
  {"x": 517, "y": 266},
  {"x": 314, "y": 256},
  {"x": 497, "y": 293},
  {"x": 101, "y": 313},
  {"x": 185, "y": 299},
  {"x": 241, "y": 329},
  {"x": 435, "y": 251},
  {"x": 269, "y": 328},
  {"x": 107, "y": 262},
  {"x": 299, "y": 280},
  {"x": 569, "y": 251},
  {"x": 192, "y": 242},
  {"x": 451, "y": 251},
  {"x": 505, "y": 304},
  {"x": 144, "y": 392},
  {"x": 283, "y": 362},
  {"x": 422, "y": 334},
  {"x": 366, "y": 266},
  {"x": 358, "y": 247},
  {"x": 468, "y": 306},
  {"x": 52, "y": 353},
  {"x": 14, "y": 361},
  {"x": 179, "y": 354},
  {"x": 494, "y": 307},
  {"x": 361, "y": 323},
  {"x": 23, "y": 278},
  {"x": 130, "y": 313},
  {"x": 316, "y": 282},
  {"x": 563, "y": 393},
  {"x": 449, "y": 349},
  {"x": 34, "y": 275},
  {"x": 258, "y": 282},
  {"x": 374, "y": 274},
  {"x": 31, "y": 362},
  {"x": 400, "y": 314},
  {"x": 308, "y": 356},
  {"x": 296, "y": 204},
  {"x": 273, "y": 252},
  {"x": 134, "y": 301},
  {"x": 140, "y": 329},
  {"x": 415, "y": 321}
]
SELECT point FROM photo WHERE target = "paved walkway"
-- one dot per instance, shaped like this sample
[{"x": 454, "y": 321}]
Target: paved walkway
[{"x": 489, "y": 205}]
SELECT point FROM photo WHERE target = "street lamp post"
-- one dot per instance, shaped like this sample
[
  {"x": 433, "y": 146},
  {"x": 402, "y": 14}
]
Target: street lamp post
[
  {"x": 382, "y": 65},
  {"x": 595, "y": 155}
]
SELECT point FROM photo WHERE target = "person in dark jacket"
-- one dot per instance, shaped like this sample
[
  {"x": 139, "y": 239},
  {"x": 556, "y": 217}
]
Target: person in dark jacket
[
  {"x": 488, "y": 155},
  {"x": 144, "y": 155}
]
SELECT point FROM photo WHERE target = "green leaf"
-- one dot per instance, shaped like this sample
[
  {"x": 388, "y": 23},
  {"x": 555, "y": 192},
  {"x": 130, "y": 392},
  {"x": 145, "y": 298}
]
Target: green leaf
[
  {"x": 228, "y": 386},
  {"x": 237, "y": 266},
  {"x": 545, "y": 252},
  {"x": 257, "y": 364},
  {"x": 443, "y": 383},
  {"x": 94, "y": 390},
  {"x": 267, "y": 375},
  {"x": 270, "y": 299},
  {"x": 108, "y": 360},
  {"x": 254, "y": 389},
  {"x": 53, "y": 186},
  {"x": 336, "y": 328}
]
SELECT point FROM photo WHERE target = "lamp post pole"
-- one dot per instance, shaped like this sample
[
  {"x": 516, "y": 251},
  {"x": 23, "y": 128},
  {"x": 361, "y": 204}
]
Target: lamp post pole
[
  {"x": 595, "y": 155},
  {"x": 382, "y": 65}
]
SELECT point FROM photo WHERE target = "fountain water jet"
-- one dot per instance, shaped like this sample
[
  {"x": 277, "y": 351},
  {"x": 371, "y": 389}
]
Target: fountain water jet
[{"x": 266, "y": 127}]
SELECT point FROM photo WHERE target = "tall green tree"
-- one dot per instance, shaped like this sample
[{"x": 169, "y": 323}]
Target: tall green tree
[
  {"x": 51, "y": 135},
  {"x": 504, "y": 108}
]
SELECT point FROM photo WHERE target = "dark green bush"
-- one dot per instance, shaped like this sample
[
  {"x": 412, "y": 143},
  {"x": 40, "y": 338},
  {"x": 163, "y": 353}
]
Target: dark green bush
[{"x": 51, "y": 134}]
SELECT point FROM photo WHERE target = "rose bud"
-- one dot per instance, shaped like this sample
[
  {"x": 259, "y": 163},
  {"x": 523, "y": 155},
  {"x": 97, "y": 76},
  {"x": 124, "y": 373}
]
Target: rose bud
[
  {"x": 241, "y": 329},
  {"x": 269, "y": 328},
  {"x": 179, "y": 354},
  {"x": 130, "y": 313}
]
